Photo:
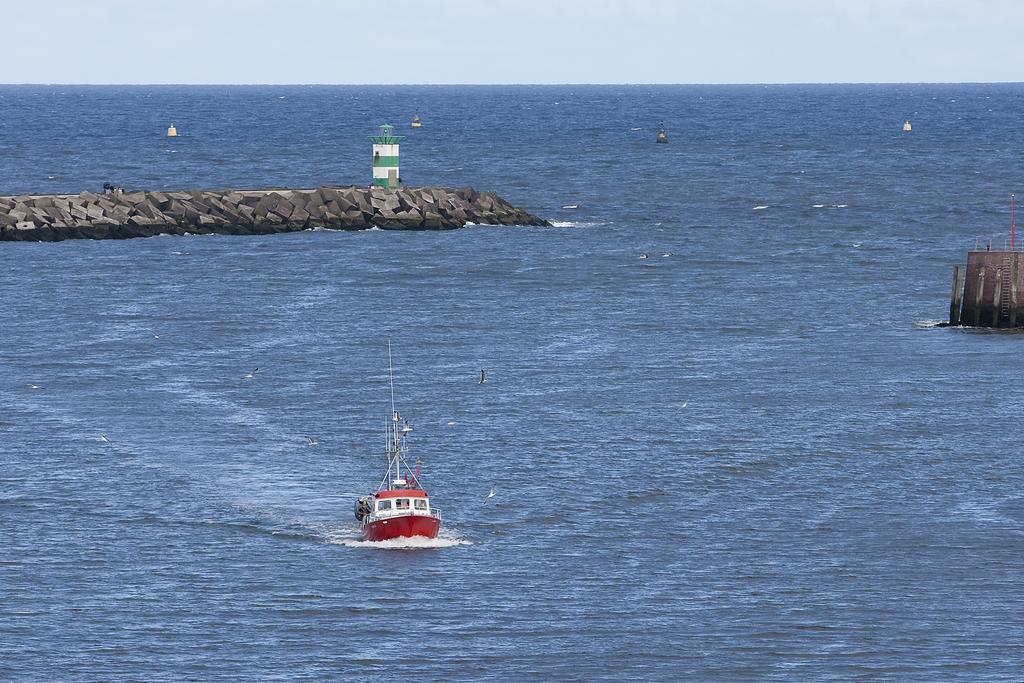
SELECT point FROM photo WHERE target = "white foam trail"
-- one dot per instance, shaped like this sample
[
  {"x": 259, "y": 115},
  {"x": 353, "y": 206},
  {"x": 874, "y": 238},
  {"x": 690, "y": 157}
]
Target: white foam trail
[
  {"x": 564, "y": 224},
  {"x": 571, "y": 206},
  {"x": 818, "y": 206},
  {"x": 760, "y": 208},
  {"x": 411, "y": 543}
]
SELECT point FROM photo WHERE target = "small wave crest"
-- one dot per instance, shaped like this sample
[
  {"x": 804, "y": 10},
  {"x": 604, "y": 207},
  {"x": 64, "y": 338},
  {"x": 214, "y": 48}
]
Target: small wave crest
[{"x": 576, "y": 224}]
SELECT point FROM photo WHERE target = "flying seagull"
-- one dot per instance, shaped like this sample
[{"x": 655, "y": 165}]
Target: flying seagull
[
  {"x": 483, "y": 377},
  {"x": 104, "y": 439},
  {"x": 312, "y": 441},
  {"x": 251, "y": 374},
  {"x": 491, "y": 493}
]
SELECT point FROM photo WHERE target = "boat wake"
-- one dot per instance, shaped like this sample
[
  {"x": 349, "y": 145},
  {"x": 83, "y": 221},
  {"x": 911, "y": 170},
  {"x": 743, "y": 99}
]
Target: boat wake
[{"x": 412, "y": 543}]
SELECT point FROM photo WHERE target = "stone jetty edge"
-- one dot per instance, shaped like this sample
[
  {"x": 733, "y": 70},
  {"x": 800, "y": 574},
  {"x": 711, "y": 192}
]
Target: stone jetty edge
[{"x": 122, "y": 215}]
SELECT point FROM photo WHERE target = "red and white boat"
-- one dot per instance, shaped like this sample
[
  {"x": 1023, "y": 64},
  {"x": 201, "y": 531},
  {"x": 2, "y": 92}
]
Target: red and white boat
[{"x": 400, "y": 508}]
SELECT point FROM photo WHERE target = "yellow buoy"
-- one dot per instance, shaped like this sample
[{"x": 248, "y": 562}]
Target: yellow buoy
[
  {"x": 172, "y": 132},
  {"x": 907, "y": 127},
  {"x": 416, "y": 121}
]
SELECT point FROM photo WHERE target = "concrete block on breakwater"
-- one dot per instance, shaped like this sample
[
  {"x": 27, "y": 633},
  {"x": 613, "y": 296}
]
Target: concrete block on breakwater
[{"x": 120, "y": 215}]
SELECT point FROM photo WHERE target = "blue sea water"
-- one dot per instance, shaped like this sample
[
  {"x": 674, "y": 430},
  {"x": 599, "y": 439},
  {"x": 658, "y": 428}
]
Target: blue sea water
[{"x": 749, "y": 456}]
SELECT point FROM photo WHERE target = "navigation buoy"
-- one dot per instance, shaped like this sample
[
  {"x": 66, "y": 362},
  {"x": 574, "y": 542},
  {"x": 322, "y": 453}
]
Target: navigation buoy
[
  {"x": 416, "y": 121},
  {"x": 907, "y": 127},
  {"x": 172, "y": 132},
  {"x": 662, "y": 136}
]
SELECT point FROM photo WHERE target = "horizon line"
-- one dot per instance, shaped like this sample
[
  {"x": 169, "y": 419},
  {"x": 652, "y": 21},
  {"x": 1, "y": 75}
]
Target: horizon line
[{"x": 485, "y": 85}]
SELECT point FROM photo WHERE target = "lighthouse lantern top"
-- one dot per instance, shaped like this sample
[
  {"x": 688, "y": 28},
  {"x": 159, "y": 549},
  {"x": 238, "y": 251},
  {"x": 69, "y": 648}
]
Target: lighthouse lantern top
[{"x": 386, "y": 136}]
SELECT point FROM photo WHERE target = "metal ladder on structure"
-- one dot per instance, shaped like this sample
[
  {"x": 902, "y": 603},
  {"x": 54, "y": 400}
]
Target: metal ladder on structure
[{"x": 1004, "y": 292}]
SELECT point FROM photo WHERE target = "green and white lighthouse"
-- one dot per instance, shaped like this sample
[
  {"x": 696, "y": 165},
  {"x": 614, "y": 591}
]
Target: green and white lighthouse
[{"x": 385, "y": 158}]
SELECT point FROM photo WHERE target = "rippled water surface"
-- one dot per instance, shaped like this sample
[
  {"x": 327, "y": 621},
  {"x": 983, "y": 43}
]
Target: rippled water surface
[{"x": 750, "y": 455}]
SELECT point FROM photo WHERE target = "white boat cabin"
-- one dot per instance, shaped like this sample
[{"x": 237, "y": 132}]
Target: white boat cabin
[
  {"x": 395, "y": 503},
  {"x": 402, "y": 505}
]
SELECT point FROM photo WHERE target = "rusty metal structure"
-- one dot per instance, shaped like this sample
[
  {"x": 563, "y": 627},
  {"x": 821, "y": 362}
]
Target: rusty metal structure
[{"x": 989, "y": 292}]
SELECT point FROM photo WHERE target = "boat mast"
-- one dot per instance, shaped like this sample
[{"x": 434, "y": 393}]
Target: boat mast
[
  {"x": 394, "y": 425},
  {"x": 394, "y": 441},
  {"x": 391, "y": 376}
]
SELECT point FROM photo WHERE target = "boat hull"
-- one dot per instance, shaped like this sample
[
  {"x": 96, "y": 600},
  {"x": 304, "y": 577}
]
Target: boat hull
[{"x": 405, "y": 526}]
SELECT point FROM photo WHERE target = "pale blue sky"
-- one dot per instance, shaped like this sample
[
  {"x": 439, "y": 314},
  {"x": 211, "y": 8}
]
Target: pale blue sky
[{"x": 510, "y": 41}]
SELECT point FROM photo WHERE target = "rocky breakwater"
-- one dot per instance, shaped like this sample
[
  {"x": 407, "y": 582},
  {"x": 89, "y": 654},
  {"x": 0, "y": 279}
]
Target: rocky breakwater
[{"x": 120, "y": 215}]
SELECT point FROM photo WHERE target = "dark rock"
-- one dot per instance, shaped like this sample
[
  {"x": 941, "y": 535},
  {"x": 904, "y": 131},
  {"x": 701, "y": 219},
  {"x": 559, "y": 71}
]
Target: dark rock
[
  {"x": 247, "y": 213},
  {"x": 409, "y": 219},
  {"x": 432, "y": 220}
]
